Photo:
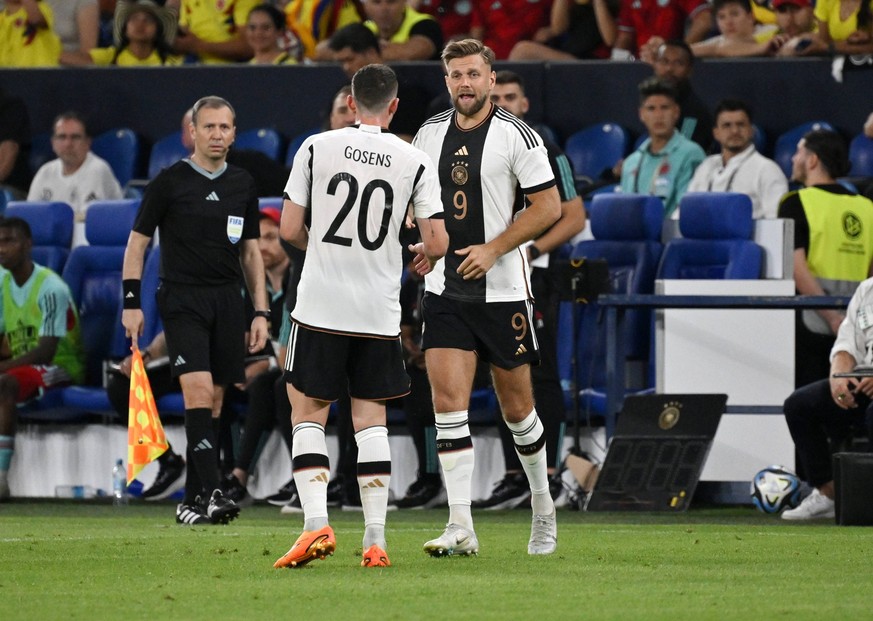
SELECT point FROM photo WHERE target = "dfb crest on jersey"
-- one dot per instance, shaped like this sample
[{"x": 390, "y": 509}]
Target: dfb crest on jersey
[{"x": 460, "y": 174}]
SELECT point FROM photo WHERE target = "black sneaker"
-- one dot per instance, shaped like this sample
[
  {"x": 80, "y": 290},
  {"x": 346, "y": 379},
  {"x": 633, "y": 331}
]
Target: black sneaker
[
  {"x": 424, "y": 493},
  {"x": 170, "y": 479},
  {"x": 513, "y": 490},
  {"x": 234, "y": 490},
  {"x": 191, "y": 515},
  {"x": 556, "y": 486},
  {"x": 293, "y": 505},
  {"x": 285, "y": 493},
  {"x": 335, "y": 491},
  {"x": 221, "y": 510}
]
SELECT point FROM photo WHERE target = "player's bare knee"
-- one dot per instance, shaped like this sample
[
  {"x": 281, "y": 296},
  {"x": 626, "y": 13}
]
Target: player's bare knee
[
  {"x": 452, "y": 401},
  {"x": 517, "y": 411}
]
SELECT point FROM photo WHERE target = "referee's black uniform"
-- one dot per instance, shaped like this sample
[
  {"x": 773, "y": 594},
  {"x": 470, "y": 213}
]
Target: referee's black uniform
[{"x": 202, "y": 218}]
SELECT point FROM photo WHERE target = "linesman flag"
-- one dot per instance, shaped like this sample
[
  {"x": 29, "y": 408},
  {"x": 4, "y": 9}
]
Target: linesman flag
[{"x": 146, "y": 440}]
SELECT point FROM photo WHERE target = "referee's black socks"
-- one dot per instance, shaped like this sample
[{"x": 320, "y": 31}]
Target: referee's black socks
[{"x": 202, "y": 451}]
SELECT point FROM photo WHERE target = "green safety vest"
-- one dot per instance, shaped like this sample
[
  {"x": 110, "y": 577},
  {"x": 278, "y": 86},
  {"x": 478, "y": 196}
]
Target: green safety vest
[
  {"x": 840, "y": 243},
  {"x": 23, "y": 323},
  {"x": 410, "y": 19}
]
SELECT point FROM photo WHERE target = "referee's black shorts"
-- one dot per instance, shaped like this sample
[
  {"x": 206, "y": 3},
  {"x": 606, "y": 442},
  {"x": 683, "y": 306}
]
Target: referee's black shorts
[
  {"x": 205, "y": 328},
  {"x": 327, "y": 365},
  {"x": 501, "y": 333}
]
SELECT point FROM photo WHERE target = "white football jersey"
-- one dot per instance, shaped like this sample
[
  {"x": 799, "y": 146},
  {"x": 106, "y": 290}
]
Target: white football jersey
[
  {"x": 481, "y": 170},
  {"x": 356, "y": 183}
]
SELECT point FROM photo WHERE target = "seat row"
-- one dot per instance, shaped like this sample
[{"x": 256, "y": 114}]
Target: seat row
[
  {"x": 716, "y": 243},
  {"x": 123, "y": 149},
  {"x": 93, "y": 274},
  {"x": 599, "y": 147},
  {"x": 591, "y": 150}
]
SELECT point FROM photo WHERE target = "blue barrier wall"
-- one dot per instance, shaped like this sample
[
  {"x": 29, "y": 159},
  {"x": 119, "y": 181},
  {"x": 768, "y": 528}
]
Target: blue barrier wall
[{"x": 567, "y": 96}]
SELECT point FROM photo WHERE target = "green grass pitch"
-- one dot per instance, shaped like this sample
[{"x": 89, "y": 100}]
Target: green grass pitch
[{"x": 73, "y": 560}]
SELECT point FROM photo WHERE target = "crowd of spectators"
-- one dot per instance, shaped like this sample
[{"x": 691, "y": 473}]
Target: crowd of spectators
[{"x": 169, "y": 32}]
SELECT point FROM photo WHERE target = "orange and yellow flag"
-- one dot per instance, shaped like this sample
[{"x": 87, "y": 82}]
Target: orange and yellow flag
[{"x": 146, "y": 440}]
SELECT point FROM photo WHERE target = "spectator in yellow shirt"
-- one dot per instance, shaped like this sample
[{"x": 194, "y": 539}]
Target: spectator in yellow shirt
[
  {"x": 214, "y": 30},
  {"x": 265, "y": 30},
  {"x": 313, "y": 22},
  {"x": 844, "y": 27},
  {"x": 143, "y": 34},
  {"x": 27, "y": 36}
]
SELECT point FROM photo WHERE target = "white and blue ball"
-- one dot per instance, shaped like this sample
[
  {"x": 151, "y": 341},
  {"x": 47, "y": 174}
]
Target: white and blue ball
[{"x": 774, "y": 489}]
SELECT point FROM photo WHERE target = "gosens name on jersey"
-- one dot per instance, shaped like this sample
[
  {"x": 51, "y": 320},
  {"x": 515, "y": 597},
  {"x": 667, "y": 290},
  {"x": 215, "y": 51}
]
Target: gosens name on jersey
[
  {"x": 480, "y": 170},
  {"x": 357, "y": 183}
]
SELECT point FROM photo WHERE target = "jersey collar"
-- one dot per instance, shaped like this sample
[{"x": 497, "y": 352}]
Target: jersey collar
[{"x": 204, "y": 172}]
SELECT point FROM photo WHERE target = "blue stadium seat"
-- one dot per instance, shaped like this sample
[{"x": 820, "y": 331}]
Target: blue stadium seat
[
  {"x": 861, "y": 156},
  {"x": 716, "y": 240},
  {"x": 150, "y": 281},
  {"x": 51, "y": 225},
  {"x": 93, "y": 274},
  {"x": 759, "y": 137},
  {"x": 786, "y": 143},
  {"x": 172, "y": 403},
  {"x": 595, "y": 149},
  {"x": 5, "y": 198},
  {"x": 267, "y": 141},
  {"x": 108, "y": 223},
  {"x": 640, "y": 140},
  {"x": 297, "y": 142},
  {"x": 627, "y": 231},
  {"x": 271, "y": 201},
  {"x": 166, "y": 151},
  {"x": 120, "y": 148}
]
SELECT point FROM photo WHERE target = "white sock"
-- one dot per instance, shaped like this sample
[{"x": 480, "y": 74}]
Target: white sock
[
  {"x": 455, "y": 450},
  {"x": 374, "y": 479},
  {"x": 530, "y": 445},
  {"x": 311, "y": 473}
]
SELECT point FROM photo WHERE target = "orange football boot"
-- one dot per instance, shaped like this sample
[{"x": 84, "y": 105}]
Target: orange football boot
[
  {"x": 312, "y": 544},
  {"x": 374, "y": 556}
]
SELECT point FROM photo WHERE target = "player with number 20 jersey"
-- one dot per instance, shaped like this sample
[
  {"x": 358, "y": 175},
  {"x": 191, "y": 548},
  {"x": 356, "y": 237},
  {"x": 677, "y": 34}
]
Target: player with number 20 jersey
[{"x": 364, "y": 180}]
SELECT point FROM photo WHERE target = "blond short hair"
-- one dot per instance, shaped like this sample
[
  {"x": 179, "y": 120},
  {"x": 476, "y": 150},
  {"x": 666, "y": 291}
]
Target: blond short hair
[{"x": 467, "y": 47}]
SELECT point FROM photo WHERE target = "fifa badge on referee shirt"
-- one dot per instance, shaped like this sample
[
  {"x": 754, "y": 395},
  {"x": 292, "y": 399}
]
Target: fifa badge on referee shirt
[{"x": 234, "y": 228}]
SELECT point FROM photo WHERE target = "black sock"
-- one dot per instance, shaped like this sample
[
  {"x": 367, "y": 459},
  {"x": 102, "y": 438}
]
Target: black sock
[
  {"x": 193, "y": 486},
  {"x": 202, "y": 454}
]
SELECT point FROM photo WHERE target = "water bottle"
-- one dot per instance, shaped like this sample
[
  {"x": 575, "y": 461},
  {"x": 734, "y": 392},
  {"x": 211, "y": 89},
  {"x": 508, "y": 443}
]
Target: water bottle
[{"x": 119, "y": 484}]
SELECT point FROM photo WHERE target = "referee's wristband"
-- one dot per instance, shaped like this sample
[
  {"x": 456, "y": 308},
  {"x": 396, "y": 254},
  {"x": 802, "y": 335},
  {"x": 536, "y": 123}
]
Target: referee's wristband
[
  {"x": 262, "y": 313},
  {"x": 130, "y": 289}
]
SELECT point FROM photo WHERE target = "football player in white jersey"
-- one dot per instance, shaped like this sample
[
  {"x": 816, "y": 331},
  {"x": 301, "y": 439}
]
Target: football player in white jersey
[
  {"x": 355, "y": 185},
  {"x": 478, "y": 300}
]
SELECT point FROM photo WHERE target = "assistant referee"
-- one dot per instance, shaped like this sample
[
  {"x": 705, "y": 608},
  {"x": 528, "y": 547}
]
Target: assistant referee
[{"x": 207, "y": 213}]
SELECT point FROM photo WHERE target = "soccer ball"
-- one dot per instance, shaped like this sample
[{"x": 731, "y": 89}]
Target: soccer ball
[{"x": 774, "y": 489}]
